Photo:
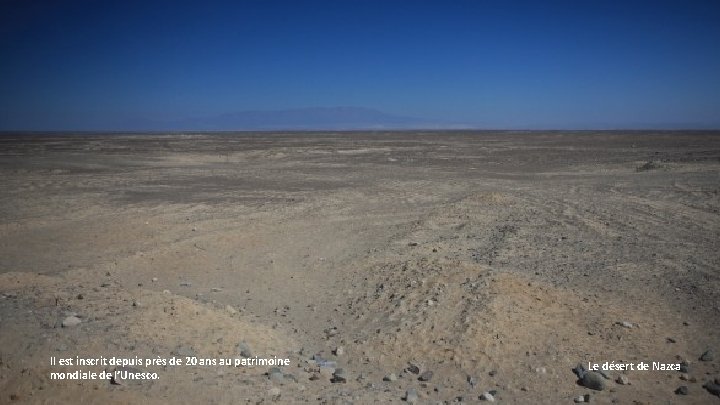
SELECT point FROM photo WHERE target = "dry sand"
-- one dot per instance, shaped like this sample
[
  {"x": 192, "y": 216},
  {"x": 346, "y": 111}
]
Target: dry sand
[{"x": 497, "y": 261}]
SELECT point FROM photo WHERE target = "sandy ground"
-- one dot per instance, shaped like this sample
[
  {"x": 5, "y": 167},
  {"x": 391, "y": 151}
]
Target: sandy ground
[{"x": 497, "y": 261}]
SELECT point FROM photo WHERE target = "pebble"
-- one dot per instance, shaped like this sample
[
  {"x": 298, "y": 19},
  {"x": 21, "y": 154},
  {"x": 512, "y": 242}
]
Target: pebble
[
  {"x": 411, "y": 396},
  {"x": 339, "y": 351},
  {"x": 622, "y": 380},
  {"x": 154, "y": 279},
  {"x": 215, "y": 289},
  {"x": 579, "y": 371},
  {"x": 390, "y": 377},
  {"x": 626, "y": 324},
  {"x": 340, "y": 376},
  {"x": 185, "y": 284},
  {"x": 682, "y": 390},
  {"x": 426, "y": 376},
  {"x": 412, "y": 368},
  {"x": 71, "y": 321},
  {"x": 231, "y": 309},
  {"x": 486, "y": 396},
  {"x": 594, "y": 381},
  {"x": 244, "y": 349},
  {"x": 275, "y": 375},
  {"x": 579, "y": 399},
  {"x": 707, "y": 356}
]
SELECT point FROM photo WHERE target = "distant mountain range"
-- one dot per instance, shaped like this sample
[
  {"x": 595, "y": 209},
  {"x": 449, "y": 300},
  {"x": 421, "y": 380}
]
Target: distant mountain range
[{"x": 314, "y": 118}]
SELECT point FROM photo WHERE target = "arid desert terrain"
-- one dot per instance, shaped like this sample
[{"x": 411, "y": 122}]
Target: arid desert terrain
[{"x": 420, "y": 267}]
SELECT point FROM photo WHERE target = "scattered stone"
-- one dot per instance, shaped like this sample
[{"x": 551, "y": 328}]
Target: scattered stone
[
  {"x": 166, "y": 291},
  {"x": 487, "y": 396},
  {"x": 390, "y": 377},
  {"x": 682, "y": 390},
  {"x": 185, "y": 284},
  {"x": 339, "y": 351},
  {"x": 230, "y": 309},
  {"x": 472, "y": 381},
  {"x": 275, "y": 375},
  {"x": 412, "y": 368},
  {"x": 104, "y": 285},
  {"x": 411, "y": 396},
  {"x": 594, "y": 381},
  {"x": 579, "y": 371},
  {"x": 626, "y": 324},
  {"x": 540, "y": 370},
  {"x": 623, "y": 380},
  {"x": 244, "y": 349},
  {"x": 670, "y": 340},
  {"x": 579, "y": 399},
  {"x": 339, "y": 376},
  {"x": 71, "y": 321},
  {"x": 707, "y": 356},
  {"x": 154, "y": 279},
  {"x": 606, "y": 374},
  {"x": 330, "y": 332},
  {"x": 684, "y": 366},
  {"x": 412, "y": 244},
  {"x": 712, "y": 388},
  {"x": 80, "y": 296},
  {"x": 314, "y": 377},
  {"x": 426, "y": 376},
  {"x": 215, "y": 289}
]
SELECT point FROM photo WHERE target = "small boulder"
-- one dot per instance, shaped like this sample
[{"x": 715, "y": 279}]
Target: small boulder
[
  {"x": 71, "y": 321},
  {"x": 594, "y": 381}
]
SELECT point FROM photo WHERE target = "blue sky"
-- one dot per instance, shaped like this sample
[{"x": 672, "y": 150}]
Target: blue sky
[{"x": 536, "y": 64}]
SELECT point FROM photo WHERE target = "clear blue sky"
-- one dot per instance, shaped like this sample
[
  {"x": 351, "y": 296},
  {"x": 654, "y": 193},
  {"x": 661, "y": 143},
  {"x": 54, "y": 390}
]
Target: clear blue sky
[{"x": 99, "y": 64}]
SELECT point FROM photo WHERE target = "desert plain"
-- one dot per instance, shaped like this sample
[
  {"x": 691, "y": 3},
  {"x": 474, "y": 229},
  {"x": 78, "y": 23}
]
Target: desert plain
[{"x": 391, "y": 267}]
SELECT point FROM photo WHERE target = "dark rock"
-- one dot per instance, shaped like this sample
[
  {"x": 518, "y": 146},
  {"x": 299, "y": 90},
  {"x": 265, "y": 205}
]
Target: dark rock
[
  {"x": 707, "y": 356},
  {"x": 412, "y": 368},
  {"x": 682, "y": 390},
  {"x": 426, "y": 376},
  {"x": 339, "y": 376},
  {"x": 594, "y": 381},
  {"x": 712, "y": 388},
  {"x": 579, "y": 371}
]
